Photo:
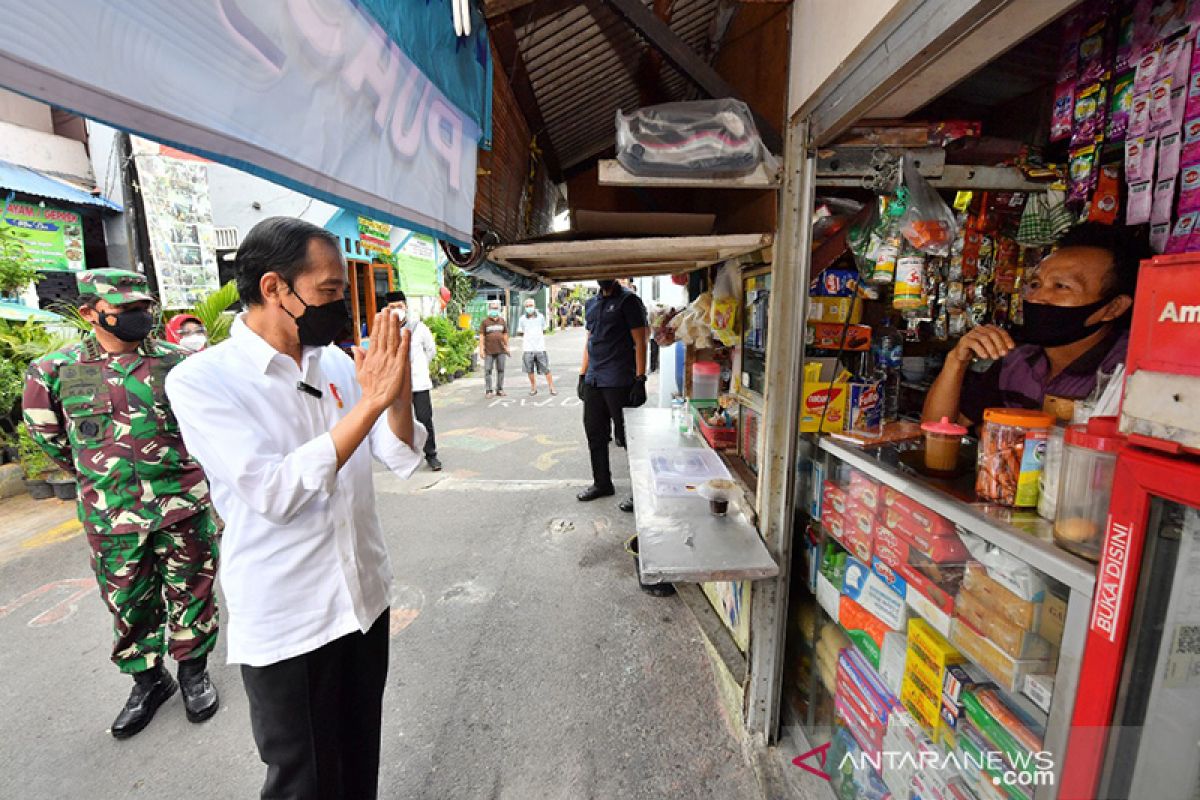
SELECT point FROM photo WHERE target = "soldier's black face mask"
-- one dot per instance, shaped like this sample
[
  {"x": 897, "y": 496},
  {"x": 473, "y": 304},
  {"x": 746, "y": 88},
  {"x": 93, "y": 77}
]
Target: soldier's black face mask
[
  {"x": 129, "y": 326},
  {"x": 320, "y": 325}
]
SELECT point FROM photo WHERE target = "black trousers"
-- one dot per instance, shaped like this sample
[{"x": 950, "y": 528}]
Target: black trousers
[
  {"x": 316, "y": 718},
  {"x": 423, "y": 411},
  {"x": 603, "y": 411}
]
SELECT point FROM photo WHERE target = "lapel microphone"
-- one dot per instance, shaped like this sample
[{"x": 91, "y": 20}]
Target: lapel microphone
[{"x": 309, "y": 390}]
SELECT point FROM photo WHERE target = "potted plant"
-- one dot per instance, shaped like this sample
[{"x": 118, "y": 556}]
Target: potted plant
[
  {"x": 35, "y": 464},
  {"x": 63, "y": 485}
]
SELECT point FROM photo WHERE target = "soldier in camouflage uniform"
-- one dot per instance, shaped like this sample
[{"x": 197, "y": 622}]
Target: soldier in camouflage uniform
[{"x": 100, "y": 411}]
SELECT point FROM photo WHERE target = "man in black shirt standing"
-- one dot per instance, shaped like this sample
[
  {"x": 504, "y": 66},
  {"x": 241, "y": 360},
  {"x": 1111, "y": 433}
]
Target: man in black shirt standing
[{"x": 612, "y": 378}]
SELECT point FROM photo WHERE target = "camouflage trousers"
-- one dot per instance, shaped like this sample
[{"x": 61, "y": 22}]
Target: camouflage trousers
[{"x": 158, "y": 585}]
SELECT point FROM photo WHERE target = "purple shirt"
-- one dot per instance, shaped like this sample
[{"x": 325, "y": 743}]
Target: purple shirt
[{"x": 1019, "y": 380}]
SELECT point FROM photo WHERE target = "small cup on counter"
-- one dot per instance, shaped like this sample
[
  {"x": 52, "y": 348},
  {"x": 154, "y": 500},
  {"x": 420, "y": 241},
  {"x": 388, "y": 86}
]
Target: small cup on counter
[
  {"x": 719, "y": 492},
  {"x": 942, "y": 442}
]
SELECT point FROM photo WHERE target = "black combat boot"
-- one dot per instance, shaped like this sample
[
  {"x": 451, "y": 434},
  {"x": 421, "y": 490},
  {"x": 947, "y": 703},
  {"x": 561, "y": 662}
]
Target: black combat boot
[
  {"x": 199, "y": 695},
  {"x": 151, "y": 688}
]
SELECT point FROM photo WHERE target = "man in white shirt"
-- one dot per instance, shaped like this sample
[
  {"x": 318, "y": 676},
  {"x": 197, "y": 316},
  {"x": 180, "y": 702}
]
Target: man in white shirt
[
  {"x": 285, "y": 426},
  {"x": 422, "y": 353},
  {"x": 533, "y": 345}
]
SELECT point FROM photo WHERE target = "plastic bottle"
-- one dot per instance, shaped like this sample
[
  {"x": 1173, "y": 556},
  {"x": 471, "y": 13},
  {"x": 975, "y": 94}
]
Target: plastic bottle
[{"x": 889, "y": 360}]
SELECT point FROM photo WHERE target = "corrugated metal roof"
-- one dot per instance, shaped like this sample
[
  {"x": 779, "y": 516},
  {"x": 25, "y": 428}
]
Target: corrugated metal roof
[
  {"x": 583, "y": 63},
  {"x": 30, "y": 181}
]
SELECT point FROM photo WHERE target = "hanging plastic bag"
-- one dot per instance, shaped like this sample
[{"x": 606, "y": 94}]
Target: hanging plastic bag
[
  {"x": 927, "y": 223},
  {"x": 723, "y": 317},
  {"x": 695, "y": 138}
]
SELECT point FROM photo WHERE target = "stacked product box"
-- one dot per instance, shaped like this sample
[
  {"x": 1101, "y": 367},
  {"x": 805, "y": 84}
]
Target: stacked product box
[
  {"x": 862, "y": 702},
  {"x": 925, "y": 550},
  {"x": 849, "y": 520},
  {"x": 916, "y": 767},
  {"x": 928, "y": 659},
  {"x": 995, "y": 738},
  {"x": 995, "y": 627}
]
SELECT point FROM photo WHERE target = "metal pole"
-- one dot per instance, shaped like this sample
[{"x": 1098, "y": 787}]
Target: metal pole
[{"x": 784, "y": 385}]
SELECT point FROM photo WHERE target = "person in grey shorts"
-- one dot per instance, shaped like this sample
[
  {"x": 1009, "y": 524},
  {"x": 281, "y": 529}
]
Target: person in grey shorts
[
  {"x": 493, "y": 348},
  {"x": 533, "y": 343}
]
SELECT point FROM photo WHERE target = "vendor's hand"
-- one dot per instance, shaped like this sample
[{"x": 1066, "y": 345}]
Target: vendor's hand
[
  {"x": 579, "y": 390},
  {"x": 383, "y": 370},
  {"x": 985, "y": 341},
  {"x": 637, "y": 393}
]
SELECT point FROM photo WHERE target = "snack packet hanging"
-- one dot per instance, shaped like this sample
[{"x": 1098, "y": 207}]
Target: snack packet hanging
[
  {"x": 1106, "y": 200},
  {"x": 1119, "y": 108},
  {"x": 1147, "y": 68},
  {"x": 1089, "y": 114},
  {"x": 928, "y": 223},
  {"x": 1192, "y": 108},
  {"x": 1158, "y": 236},
  {"x": 1164, "y": 201},
  {"x": 1125, "y": 51},
  {"x": 1063, "y": 114},
  {"x": 1191, "y": 142},
  {"x": 1189, "y": 188},
  {"x": 1181, "y": 233},
  {"x": 1139, "y": 115},
  {"x": 1140, "y": 201},
  {"x": 1171, "y": 54},
  {"x": 1160, "y": 104},
  {"x": 1139, "y": 159},
  {"x": 1068, "y": 54},
  {"x": 1082, "y": 173},
  {"x": 1092, "y": 61},
  {"x": 1170, "y": 145}
]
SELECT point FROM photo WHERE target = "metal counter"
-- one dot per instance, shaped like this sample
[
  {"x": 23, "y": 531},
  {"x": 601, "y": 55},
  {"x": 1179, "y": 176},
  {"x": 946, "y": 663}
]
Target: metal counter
[{"x": 679, "y": 540}]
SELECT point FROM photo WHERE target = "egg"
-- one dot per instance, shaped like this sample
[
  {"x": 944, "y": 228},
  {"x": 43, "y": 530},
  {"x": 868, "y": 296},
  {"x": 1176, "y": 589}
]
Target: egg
[{"x": 1076, "y": 529}]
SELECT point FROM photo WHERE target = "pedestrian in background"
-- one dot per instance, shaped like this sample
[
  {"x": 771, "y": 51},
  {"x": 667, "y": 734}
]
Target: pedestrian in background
[
  {"x": 423, "y": 349},
  {"x": 100, "y": 411},
  {"x": 188, "y": 331},
  {"x": 613, "y": 377},
  {"x": 286, "y": 426},
  {"x": 533, "y": 347},
  {"x": 493, "y": 348}
]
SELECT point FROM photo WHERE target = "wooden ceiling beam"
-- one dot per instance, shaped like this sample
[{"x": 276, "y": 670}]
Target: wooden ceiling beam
[
  {"x": 513, "y": 65},
  {"x": 684, "y": 59}
]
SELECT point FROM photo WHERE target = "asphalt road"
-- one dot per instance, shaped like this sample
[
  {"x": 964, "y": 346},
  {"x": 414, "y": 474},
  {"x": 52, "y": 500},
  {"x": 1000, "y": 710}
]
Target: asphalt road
[{"x": 525, "y": 663}]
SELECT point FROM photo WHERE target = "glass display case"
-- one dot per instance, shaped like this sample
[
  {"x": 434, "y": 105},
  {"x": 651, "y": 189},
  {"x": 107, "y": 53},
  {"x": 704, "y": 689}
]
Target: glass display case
[{"x": 944, "y": 626}]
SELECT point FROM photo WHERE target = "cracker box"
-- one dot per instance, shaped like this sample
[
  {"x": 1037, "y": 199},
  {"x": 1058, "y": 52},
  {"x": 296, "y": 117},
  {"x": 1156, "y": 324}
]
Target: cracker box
[
  {"x": 932, "y": 646},
  {"x": 1009, "y": 637},
  {"x": 833, "y": 497},
  {"x": 866, "y": 588},
  {"x": 926, "y": 523},
  {"x": 889, "y": 548},
  {"x": 1024, "y": 613},
  {"x": 1009, "y": 673},
  {"x": 859, "y": 529},
  {"x": 825, "y": 395}
]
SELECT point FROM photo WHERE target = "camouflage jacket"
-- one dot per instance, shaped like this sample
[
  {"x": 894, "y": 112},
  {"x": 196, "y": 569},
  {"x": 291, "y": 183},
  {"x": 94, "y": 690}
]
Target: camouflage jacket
[{"x": 105, "y": 419}]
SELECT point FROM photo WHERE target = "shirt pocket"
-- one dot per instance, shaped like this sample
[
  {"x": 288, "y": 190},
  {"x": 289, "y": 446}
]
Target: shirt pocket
[{"x": 89, "y": 419}]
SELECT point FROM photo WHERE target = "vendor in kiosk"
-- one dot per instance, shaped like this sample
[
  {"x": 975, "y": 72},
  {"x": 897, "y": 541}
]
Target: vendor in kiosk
[{"x": 1076, "y": 318}]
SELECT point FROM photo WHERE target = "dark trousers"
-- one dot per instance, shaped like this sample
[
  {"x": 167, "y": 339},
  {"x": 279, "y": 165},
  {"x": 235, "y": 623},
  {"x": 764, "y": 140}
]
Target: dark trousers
[
  {"x": 316, "y": 718},
  {"x": 603, "y": 411},
  {"x": 423, "y": 411}
]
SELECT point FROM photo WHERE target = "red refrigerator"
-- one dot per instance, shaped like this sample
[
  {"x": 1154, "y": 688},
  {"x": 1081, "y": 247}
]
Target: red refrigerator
[{"x": 1136, "y": 726}]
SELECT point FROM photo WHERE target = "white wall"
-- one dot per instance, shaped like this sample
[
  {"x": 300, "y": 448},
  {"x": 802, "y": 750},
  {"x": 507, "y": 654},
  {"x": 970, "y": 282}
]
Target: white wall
[
  {"x": 669, "y": 294},
  {"x": 106, "y": 166},
  {"x": 26, "y": 113},
  {"x": 825, "y": 33},
  {"x": 234, "y": 193}
]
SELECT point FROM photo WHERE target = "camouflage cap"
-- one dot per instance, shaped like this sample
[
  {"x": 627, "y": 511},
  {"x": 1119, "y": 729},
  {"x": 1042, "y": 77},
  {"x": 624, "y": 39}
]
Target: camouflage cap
[{"x": 115, "y": 286}]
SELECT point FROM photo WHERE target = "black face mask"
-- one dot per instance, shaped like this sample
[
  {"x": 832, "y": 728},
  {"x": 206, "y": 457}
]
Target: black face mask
[
  {"x": 320, "y": 325},
  {"x": 130, "y": 326},
  {"x": 607, "y": 287},
  {"x": 1053, "y": 326}
]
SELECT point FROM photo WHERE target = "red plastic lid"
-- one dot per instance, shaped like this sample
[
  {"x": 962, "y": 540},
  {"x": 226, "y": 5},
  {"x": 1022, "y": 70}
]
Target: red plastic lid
[
  {"x": 706, "y": 368},
  {"x": 945, "y": 427},
  {"x": 1100, "y": 433}
]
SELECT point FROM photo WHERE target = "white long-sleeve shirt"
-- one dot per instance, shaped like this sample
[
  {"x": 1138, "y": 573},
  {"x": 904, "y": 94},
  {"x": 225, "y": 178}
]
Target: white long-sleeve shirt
[
  {"x": 422, "y": 349},
  {"x": 303, "y": 559}
]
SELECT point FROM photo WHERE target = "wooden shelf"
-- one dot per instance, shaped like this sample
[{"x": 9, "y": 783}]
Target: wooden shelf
[{"x": 612, "y": 173}]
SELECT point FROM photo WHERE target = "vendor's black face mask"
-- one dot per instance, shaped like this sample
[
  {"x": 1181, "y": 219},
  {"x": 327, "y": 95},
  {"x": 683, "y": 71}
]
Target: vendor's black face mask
[
  {"x": 1053, "y": 326},
  {"x": 320, "y": 325},
  {"x": 130, "y": 326}
]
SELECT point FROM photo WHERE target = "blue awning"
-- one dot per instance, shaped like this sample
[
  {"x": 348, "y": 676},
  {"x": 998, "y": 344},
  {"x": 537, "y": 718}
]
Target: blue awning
[{"x": 14, "y": 177}]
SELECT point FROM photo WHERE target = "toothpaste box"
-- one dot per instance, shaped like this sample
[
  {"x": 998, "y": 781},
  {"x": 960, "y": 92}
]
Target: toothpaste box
[{"x": 870, "y": 591}]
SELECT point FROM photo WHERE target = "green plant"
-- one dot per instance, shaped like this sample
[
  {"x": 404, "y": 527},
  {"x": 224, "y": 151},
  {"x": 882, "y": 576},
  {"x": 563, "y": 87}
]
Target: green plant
[
  {"x": 35, "y": 464},
  {"x": 12, "y": 384},
  {"x": 454, "y": 349},
  {"x": 462, "y": 290},
  {"x": 212, "y": 311},
  {"x": 17, "y": 269},
  {"x": 73, "y": 318}
]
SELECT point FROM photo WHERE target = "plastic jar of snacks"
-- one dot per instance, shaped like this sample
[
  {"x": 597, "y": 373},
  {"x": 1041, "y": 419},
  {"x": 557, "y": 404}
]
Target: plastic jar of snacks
[
  {"x": 1012, "y": 446},
  {"x": 1085, "y": 485}
]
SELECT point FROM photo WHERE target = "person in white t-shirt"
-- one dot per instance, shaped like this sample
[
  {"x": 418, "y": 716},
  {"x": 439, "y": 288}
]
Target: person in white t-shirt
[
  {"x": 423, "y": 349},
  {"x": 533, "y": 342}
]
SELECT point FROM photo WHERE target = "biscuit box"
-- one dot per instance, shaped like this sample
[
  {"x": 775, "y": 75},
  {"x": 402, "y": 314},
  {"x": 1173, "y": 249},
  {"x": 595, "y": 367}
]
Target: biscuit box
[
  {"x": 865, "y": 490},
  {"x": 1009, "y": 637},
  {"x": 889, "y": 548},
  {"x": 866, "y": 588},
  {"x": 833, "y": 497},
  {"x": 860, "y": 529},
  {"x": 927, "y": 523},
  {"x": 1024, "y": 613}
]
